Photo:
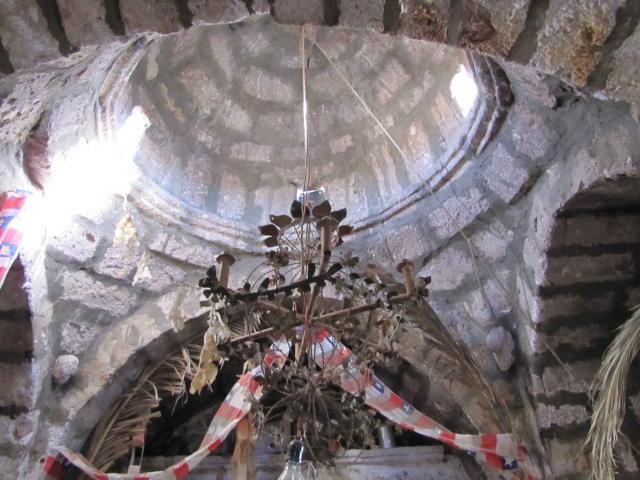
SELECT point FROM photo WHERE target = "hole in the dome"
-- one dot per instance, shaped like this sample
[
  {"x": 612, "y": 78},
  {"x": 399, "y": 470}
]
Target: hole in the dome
[{"x": 464, "y": 90}]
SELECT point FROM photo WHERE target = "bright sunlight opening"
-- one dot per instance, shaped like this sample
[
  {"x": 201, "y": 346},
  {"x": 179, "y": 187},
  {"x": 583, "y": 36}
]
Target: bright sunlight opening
[
  {"x": 85, "y": 178},
  {"x": 464, "y": 90}
]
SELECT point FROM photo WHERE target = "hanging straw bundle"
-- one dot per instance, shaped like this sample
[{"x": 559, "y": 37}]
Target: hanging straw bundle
[{"x": 608, "y": 410}]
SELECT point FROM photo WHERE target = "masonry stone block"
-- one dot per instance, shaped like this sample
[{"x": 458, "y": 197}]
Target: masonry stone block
[
  {"x": 84, "y": 21},
  {"x": 232, "y": 197},
  {"x": 536, "y": 387},
  {"x": 449, "y": 269},
  {"x": 155, "y": 274},
  {"x": 633, "y": 297},
  {"x": 457, "y": 212},
  {"x": 341, "y": 144},
  {"x": 252, "y": 152},
  {"x": 489, "y": 303},
  {"x": 204, "y": 93},
  {"x": 76, "y": 337},
  {"x": 556, "y": 379},
  {"x": 75, "y": 243},
  {"x": 549, "y": 416},
  {"x": 13, "y": 295},
  {"x": 298, "y": 12},
  {"x": 16, "y": 377},
  {"x": 25, "y": 35},
  {"x": 530, "y": 132},
  {"x": 16, "y": 336},
  {"x": 507, "y": 19},
  {"x": 425, "y": 20},
  {"x": 236, "y": 118},
  {"x": 159, "y": 16},
  {"x": 362, "y": 14},
  {"x": 493, "y": 242},
  {"x": 579, "y": 338},
  {"x": 623, "y": 80},
  {"x": 9, "y": 466},
  {"x": 567, "y": 457},
  {"x": 592, "y": 230},
  {"x": 185, "y": 250},
  {"x": 264, "y": 85},
  {"x": 94, "y": 294},
  {"x": 584, "y": 26},
  {"x": 568, "y": 305},
  {"x": 634, "y": 401},
  {"x": 25, "y": 426},
  {"x": 218, "y": 11},
  {"x": 119, "y": 262},
  {"x": 392, "y": 76},
  {"x": 628, "y": 463},
  {"x": 505, "y": 176},
  {"x": 590, "y": 268},
  {"x": 407, "y": 241}
]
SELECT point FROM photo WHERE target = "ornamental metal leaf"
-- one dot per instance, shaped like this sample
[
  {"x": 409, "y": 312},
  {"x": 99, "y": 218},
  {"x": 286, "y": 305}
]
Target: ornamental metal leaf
[
  {"x": 339, "y": 215},
  {"x": 322, "y": 209},
  {"x": 271, "y": 242},
  {"x": 269, "y": 230},
  {"x": 281, "y": 221}
]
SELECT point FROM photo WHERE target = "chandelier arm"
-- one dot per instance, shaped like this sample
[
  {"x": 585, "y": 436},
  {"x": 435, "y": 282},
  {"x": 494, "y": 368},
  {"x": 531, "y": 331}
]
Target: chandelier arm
[
  {"x": 409, "y": 284},
  {"x": 324, "y": 263}
]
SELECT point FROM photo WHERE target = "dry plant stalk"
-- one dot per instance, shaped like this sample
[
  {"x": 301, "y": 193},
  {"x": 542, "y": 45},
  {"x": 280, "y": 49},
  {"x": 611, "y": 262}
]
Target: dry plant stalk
[
  {"x": 608, "y": 410},
  {"x": 243, "y": 461},
  {"x": 207, "y": 370},
  {"x": 112, "y": 438},
  {"x": 464, "y": 366}
]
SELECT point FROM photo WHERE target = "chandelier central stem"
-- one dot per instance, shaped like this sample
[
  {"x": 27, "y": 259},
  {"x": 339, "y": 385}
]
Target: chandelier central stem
[{"x": 305, "y": 126}]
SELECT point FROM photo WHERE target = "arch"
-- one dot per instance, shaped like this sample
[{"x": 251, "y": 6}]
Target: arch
[
  {"x": 576, "y": 171},
  {"x": 456, "y": 406},
  {"x": 16, "y": 351},
  {"x": 89, "y": 409},
  {"x": 586, "y": 281},
  {"x": 595, "y": 51}
]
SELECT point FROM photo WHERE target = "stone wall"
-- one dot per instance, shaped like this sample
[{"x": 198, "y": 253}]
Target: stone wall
[
  {"x": 533, "y": 244},
  {"x": 506, "y": 284},
  {"x": 588, "y": 44},
  {"x": 16, "y": 350},
  {"x": 590, "y": 282}
]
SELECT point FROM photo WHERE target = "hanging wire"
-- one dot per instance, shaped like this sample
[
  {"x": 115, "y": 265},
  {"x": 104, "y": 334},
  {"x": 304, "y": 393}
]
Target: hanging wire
[
  {"x": 472, "y": 248},
  {"x": 305, "y": 184},
  {"x": 305, "y": 126}
]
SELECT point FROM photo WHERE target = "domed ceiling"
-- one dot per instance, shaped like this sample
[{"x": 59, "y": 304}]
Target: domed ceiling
[{"x": 225, "y": 107}]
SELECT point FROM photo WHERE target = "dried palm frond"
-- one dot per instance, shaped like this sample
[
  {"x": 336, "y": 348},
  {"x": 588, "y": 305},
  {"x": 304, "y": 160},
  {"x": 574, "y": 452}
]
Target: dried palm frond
[
  {"x": 112, "y": 437},
  {"x": 608, "y": 410},
  {"x": 207, "y": 370},
  {"x": 453, "y": 355}
]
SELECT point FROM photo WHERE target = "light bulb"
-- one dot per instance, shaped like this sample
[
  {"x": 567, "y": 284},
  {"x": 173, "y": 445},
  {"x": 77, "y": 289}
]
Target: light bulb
[
  {"x": 297, "y": 467},
  {"x": 298, "y": 471}
]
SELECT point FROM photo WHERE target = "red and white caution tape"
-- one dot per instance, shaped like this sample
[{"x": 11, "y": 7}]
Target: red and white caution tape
[
  {"x": 498, "y": 451},
  {"x": 11, "y": 228}
]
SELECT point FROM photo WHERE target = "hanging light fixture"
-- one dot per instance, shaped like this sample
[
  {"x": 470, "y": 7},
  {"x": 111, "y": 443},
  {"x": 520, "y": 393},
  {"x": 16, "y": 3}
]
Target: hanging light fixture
[{"x": 298, "y": 466}]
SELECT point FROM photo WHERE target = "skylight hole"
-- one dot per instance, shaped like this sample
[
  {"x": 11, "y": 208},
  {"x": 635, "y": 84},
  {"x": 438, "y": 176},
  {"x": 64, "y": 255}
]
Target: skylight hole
[{"x": 464, "y": 90}]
